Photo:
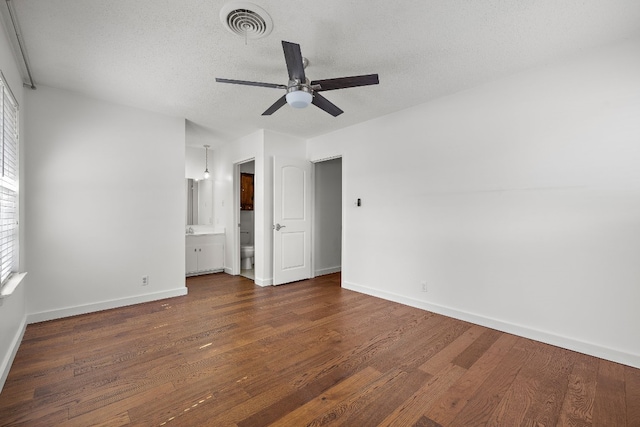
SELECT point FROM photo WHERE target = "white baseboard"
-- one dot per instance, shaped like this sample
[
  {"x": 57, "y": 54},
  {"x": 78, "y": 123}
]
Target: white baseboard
[
  {"x": 263, "y": 282},
  {"x": 323, "y": 271},
  {"x": 43, "y": 316},
  {"x": 202, "y": 273},
  {"x": 511, "y": 328},
  {"x": 7, "y": 361}
]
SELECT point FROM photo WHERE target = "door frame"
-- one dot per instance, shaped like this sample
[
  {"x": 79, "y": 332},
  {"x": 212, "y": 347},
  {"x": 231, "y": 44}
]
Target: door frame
[
  {"x": 235, "y": 251},
  {"x": 313, "y": 211},
  {"x": 235, "y": 234}
]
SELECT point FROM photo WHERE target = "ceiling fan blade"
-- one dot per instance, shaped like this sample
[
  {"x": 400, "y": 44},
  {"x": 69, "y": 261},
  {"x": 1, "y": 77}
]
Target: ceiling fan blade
[
  {"x": 293, "y": 57},
  {"x": 326, "y": 105},
  {"x": 247, "y": 83},
  {"x": 276, "y": 106},
  {"x": 345, "y": 82}
]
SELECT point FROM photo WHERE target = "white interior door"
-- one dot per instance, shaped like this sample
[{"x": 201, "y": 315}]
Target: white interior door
[{"x": 291, "y": 220}]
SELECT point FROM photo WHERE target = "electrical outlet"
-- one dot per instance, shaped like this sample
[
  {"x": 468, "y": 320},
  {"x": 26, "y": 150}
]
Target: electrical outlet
[
  {"x": 145, "y": 280},
  {"x": 424, "y": 286}
]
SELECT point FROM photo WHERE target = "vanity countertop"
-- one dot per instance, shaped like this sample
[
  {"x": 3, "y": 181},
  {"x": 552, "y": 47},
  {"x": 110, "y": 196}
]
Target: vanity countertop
[{"x": 204, "y": 233}]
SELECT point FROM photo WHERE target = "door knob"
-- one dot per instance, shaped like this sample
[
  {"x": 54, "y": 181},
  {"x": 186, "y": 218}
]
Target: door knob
[{"x": 277, "y": 227}]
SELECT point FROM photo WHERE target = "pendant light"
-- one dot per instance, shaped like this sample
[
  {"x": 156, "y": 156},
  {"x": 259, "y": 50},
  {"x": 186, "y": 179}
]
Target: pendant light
[{"x": 206, "y": 161}]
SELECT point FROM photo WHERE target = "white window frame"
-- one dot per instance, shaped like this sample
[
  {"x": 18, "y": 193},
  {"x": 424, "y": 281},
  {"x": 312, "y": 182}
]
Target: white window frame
[{"x": 9, "y": 190}]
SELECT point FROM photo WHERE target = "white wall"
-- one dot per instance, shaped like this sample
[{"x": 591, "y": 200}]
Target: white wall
[
  {"x": 104, "y": 205},
  {"x": 249, "y": 167},
  {"x": 518, "y": 202},
  {"x": 195, "y": 162},
  {"x": 225, "y": 157},
  {"x": 327, "y": 237},
  {"x": 13, "y": 309},
  {"x": 260, "y": 146}
]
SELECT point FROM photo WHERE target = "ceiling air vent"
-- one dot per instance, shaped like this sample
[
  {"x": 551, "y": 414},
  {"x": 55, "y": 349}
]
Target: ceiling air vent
[{"x": 246, "y": 20}]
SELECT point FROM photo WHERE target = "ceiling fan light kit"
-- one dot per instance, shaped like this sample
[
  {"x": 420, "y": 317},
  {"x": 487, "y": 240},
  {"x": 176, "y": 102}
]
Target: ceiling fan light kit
[
  {"x": 299, "y": 97},
  {"x": 300, "y": 92}
]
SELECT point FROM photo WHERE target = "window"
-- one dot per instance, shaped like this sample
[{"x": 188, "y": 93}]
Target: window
[{"x": 8, "y": 183}]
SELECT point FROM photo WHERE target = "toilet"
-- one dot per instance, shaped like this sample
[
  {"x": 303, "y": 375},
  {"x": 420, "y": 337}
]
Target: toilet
[{"x": 246, "y": 250}]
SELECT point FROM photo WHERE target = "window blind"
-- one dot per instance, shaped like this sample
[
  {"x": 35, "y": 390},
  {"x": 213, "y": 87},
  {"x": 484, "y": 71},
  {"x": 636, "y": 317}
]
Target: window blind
[{"x": 8, "y": 183}]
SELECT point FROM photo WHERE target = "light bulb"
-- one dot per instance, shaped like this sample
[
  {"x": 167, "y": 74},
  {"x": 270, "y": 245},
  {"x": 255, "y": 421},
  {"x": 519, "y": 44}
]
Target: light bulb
[{"x": 206, "y": 174}]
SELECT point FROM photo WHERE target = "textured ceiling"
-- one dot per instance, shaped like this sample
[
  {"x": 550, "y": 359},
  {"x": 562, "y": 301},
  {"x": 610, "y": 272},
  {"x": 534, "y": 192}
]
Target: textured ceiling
[{"x": 163, "y": 55}]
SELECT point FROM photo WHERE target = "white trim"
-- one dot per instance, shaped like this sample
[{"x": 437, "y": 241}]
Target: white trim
[
  {"x": 329, "y": 270},
  {"x": 43, "y": 316},
  {"x": 323, "y": 271},
  {"x": 326, "y": 159},
  {"x": 312, "y": 216},
  {"x": 263, "y": 282},
  {"x": 235, "y": 237},
  {"x": 203, "y": 272},
  {"x": 10, "y": 286},
  {"x": 235, "y": 246},
  {"x": 520, "y": 330},
  {"x": 10, "y": 355}
]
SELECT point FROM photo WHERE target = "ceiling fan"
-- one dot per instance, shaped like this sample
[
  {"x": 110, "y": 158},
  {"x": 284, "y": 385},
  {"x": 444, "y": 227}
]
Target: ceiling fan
[{"x": 300, "y": 91}]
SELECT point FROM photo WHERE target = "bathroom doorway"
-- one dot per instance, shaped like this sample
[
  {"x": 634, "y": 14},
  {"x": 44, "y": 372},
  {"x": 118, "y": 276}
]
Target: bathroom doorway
[
  {"x": 247, "y": 220},
  {"x": 327, "y": 217}
]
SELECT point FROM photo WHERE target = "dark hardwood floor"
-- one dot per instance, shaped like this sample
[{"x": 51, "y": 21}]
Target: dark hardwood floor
[{"x": 304, "y": 354}]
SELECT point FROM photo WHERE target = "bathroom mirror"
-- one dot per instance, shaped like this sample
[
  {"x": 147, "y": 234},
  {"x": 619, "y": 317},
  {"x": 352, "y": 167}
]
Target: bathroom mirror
[{"x": 199, "y": 203}]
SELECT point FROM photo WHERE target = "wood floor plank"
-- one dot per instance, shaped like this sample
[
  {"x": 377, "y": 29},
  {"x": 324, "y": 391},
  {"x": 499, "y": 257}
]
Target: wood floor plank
[
  {"x": 293, "y": 400},
  {"x": 577, "y": 408},
  {"x": 426, "y": 422},
  {"x": 377, "y": 406},
  {"x": 472, "y": 353},
  {"x": 610, "y": 406},
  {"x": 534, "y": 391},
  {"x": 481, "y": 405},
  {"x": 552, "y": 384},
  {"x": 33, "y": 419},
  {"x": 245, "y": 409},
  {"x": 329, "y": 399},
  {"x": 352, "y": 410},
  {"x": 632, "y": 390},
  {"x": 105, "y": 415},
  {"x": 416, "y": 350},
  {"x": 186, "y": 405},
  {"x": 442, "y": 358},
  {"x": 230, "y": 353},
  {"x": 112, "y": 400},
  {"x": 415, "y": 407},
  {"x": 312, "y": 366},
  {"x": 449, "y": 405}
]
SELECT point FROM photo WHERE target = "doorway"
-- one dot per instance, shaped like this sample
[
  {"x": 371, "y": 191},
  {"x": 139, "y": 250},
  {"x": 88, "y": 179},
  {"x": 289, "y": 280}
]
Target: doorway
[
  {"x": 247, "y": 220},
  {"x": 327, "y": 214}
]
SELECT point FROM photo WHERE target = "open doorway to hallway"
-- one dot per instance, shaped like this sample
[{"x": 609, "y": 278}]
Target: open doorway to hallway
[{"x": 327, "y": 239}]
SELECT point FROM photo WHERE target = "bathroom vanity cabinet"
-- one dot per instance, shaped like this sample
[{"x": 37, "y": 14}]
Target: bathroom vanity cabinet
[{"x": 204, "y": 253}]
